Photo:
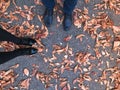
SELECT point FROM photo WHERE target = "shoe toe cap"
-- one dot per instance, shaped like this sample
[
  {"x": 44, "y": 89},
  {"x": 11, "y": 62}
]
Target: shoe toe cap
[
  {"x": 31, "y": 42},
  {"x": 33, "y": 51}
]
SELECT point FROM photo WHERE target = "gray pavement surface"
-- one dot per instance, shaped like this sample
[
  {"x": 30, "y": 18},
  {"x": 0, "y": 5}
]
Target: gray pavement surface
[{"x": 56, "y": 38}]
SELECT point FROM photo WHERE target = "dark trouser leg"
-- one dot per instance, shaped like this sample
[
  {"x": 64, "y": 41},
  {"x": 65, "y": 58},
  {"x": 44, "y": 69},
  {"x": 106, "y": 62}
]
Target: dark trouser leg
[
  {"x": 6, "y": 56},
  {"x": 69, "y": 6},
  {"x": 6, "y": 36},
  {"x": 48, "y": 15},
  {"x": 49, "y": 3}
]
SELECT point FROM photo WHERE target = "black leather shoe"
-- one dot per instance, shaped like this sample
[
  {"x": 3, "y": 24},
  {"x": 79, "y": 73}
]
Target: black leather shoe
[
  {"x": 48, "y": 17},
  {"x": 26, "y": 51},
  {"x": 67, "y": 22},
  {"x": 26, "y": 41}
]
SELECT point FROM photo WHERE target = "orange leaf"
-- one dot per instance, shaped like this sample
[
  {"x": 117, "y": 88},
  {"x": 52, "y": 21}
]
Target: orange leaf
[
  {"x": 25, "y": 83},
  {"x": 15, "y": 66},
  {"x": 68, "y": 38},
  {"x": 4, "y": 4},
  {"x": 87, "y": 1},
  {"x": 26, "y": 71},
  {"x": 62, "y": 84}
]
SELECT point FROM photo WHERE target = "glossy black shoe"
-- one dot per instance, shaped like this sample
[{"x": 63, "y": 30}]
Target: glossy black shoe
[
  {"x": 26, "y": 51},
  {"x": 48, "y": 17},
  {"x": 26, "y": 41},
  {"x": 67, "y": 22}
]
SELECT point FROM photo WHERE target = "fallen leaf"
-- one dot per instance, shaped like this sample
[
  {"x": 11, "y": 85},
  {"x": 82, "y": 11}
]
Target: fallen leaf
[
  {"x": 26, "y": 71},
  {"x": 15, "y": 66},
  {"x": 68, "y": 38},
  {"x": 62, "y": 84},
  {"x": 87, "y": 1},
  {"x": 25, "y": 83},
  {"x": 4, "y": 4},
  {"x": 80, "y": 36}
]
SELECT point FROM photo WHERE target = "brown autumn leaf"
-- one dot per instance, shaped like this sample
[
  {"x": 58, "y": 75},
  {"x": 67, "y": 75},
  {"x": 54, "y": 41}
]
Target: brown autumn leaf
[
  {"x": 12, "y": 17},
  {"x": 25, "y": 83},
  {"x": 117, "y": 38},
  {"x": 26, "y": 71},
  {"x": 38, "y": 2},
  {"x": 15, "y": 66},
  {"x": 116, "y": 29},
  {"x": 7, "y": 77},
  {"x": 42, "y": 33},
  {"x": 75, "y": 68},
  {"x": 109, "y": 4},
  {"x": 98, "y": 54},
  {"x": 86, "y": 12},
  {"x": 23, "y": 14},
  {"x": 4, "y": 4},
  {"x": 80, "y": 17},
  {"x": 116, "y": 45},
  {"x": 87, "y": 77},
  {"x": 68, "y": 86},
  {"x": 77, "y": 23},
  {"x": 62, "y": 84},
  {"x": 60, "y": 49},
  {"x": 58, "y": 19},
  {"x": 62, "y": 69},
  {"x": 68, "y": 38},
  {"x": 65, "y": 88},
  {"x": 80, "y": 36},
  {"x": 26, "y": 7},
  {"x": 4, "y": 25},
  {"x": 114, "y": 76},
  {"x": 87, "y": 1},
  {"x": 46, "y": 78},
  {"x": 82, "y": 57},
  {"x": 35, "y": 69},
  {"x": 30, "y": 16}
]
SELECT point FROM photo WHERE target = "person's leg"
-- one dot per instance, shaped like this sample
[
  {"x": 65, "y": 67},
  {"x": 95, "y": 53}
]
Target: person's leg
[
  {"x": 68, "y": 8},
  {"x": 49, "y": 3},
  {"x": 6, "y": 36},
  {"x": 6, "y": 56},
  {"x": 48, "y": 15}
]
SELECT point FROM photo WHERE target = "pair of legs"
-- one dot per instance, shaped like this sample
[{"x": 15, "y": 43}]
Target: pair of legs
[
  {"x": 68, "y": 8},
  {"x": 6, "y": 36}
]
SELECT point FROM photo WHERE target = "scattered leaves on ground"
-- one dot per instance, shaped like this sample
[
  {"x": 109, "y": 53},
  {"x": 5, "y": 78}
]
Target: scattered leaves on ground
[{"x": 98, "y": 26}]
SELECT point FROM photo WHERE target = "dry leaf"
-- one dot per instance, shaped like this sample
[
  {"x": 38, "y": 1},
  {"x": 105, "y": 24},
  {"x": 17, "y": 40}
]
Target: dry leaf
[
  {"x": 80, "y": 36},
  {"x": 25, "y": 83},
  {"x": 38, "y": 2},
  {"x": 15, "y": 66},
  {"x": 68, "y": 38},
  {"x": 116, "y": 29},
  {"x": 4, "y": 4},
  {"x": 75, "y": 68},
  {"x": 26, "y": 71},
  {"x": 68, "y": 86},
  {"x": 62, "y": 84},
  {"x": 87, "y": 1}
]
